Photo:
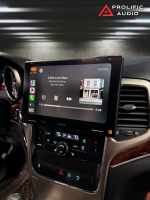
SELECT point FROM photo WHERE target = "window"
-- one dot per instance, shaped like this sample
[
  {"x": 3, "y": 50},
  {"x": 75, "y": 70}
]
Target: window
[
  {"x": 88, "y": 83},
  {"x": 95, "y": 83}
]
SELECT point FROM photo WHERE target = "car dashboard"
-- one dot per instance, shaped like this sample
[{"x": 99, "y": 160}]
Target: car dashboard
[{"x": 115, "y": 167}]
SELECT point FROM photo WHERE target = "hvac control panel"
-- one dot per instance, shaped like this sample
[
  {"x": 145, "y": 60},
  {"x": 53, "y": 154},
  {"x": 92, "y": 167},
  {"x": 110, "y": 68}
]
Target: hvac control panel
[
  {"x": 70, "y": 145},
  {"x": 68, "y": 157}
]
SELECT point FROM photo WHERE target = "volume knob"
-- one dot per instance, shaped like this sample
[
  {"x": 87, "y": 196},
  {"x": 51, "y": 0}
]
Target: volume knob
[{"x": 62, "y": 148}]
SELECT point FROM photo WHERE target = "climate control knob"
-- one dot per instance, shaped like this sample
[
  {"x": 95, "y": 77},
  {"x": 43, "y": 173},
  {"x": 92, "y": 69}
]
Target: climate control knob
[{"x": 62, "y": 148}]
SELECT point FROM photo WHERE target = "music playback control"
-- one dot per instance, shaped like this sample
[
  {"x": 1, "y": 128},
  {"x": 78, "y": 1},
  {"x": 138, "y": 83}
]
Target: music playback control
[{"x": 68, "y": 99}]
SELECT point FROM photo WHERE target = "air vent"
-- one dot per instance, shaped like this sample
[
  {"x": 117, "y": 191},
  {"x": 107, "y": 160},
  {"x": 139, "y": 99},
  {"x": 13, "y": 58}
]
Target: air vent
[{"x": 133, "y": 108}]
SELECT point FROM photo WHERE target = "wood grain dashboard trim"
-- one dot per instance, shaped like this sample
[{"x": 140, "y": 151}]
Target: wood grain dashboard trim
[{"x": 130, "y": 154}]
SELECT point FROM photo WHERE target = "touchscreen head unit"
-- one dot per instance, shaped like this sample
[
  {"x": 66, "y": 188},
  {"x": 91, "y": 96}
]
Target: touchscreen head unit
[{"x": 77, "y": 94}]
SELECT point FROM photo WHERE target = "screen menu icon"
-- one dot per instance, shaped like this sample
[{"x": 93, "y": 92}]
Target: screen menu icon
[
  {"x": 32, "y": 90},
  {"x": 32, "y": 83},
  {"x": 31, "y": 104},
  {"x": 31, "y": 98}
]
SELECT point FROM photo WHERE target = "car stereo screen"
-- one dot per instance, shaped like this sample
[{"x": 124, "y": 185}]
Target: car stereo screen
[{"x": 78, "y": 92}]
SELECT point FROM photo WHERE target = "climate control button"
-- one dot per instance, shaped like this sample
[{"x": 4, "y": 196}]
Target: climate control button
[{"x": 62, "y": 148}]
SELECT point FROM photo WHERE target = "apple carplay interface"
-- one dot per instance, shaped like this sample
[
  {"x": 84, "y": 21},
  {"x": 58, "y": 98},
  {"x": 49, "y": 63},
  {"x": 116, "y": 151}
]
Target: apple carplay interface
[
  {"x": 82, "y": 95},
  {"x": 72, "y": 90}
]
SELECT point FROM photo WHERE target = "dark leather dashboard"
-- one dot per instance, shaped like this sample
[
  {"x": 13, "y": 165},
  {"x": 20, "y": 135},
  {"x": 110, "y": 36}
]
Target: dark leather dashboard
[{"x": 137, "y": 67}]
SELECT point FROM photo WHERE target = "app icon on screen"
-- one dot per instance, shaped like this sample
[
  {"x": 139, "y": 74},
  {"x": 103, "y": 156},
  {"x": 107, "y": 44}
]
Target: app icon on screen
[
  {"x": 32, "y": 82},
  {"x": 31, "y": 98},
  {"x": 32, "y": 90},
  {"x": 33, "y": 69}
]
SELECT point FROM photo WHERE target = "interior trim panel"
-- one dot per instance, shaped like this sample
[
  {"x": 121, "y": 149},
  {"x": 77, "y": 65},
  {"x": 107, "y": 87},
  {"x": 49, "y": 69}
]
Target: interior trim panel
[
  {"x": 50, "y": 189},
  {"x": 129, "y": 181},
  {"x": 136, "y": 152}
]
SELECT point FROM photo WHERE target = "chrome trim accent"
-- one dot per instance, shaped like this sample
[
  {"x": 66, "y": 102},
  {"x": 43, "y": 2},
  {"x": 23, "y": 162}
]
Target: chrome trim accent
[
  {"x": 47, "y": 189},
  {"x": 31, "y": 121},
  {"x": 18, "y": 80},
  {"x": 97, "y": 131},
  {"x": 25, "y": 124},
  {"x": 20, "y": 116}
]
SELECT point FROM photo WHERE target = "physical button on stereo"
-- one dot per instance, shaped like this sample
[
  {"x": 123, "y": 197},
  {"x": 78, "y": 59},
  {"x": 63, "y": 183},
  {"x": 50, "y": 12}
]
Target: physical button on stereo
[
  {"x": 97, "y": 142},
  {"x": 85, "y": 140},
  {"x": 83, "y": 148},
  {"x": 39, "y": 138},
  {"x": 61, "y": 172},
  {"x": 95, "y": 150},
  {"x": 39, "y": 165},
  {"x": 75, "y": 146},
  {"x": 48, "y": 133},
  {"x": 74, "y": 154},
  {"x": 40, "y": 131},
  {"x": 39, "y": 144},
  {"x": 47, "y": 140},
  {"x": 54, "y": 141},
  {"x": 78, "y": 178},
  {"x": 51, "y": 148},
  {"x": 70, "y": 176},
  {"x": 62, "y": 148}
]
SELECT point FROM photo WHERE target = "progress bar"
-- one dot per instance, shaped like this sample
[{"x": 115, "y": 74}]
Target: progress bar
[{"x": 58, "y": 106}]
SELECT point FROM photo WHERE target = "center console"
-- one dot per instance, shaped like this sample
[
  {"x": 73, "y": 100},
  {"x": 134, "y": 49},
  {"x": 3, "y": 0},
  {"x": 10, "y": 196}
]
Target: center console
[
  {"x": 72, "y": 105},
  {"x": 69, "y": 156}
]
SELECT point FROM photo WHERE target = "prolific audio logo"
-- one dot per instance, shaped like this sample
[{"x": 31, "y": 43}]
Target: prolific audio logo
[
  {"x": 121, "y": 10},
  {"x": 106, "y": 12}
]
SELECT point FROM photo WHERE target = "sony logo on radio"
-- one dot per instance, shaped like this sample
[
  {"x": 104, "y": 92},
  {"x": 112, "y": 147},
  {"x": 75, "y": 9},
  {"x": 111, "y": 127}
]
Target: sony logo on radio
[
  {"x": 59, "y": 124},
  {"x": 102, "y": 69}
]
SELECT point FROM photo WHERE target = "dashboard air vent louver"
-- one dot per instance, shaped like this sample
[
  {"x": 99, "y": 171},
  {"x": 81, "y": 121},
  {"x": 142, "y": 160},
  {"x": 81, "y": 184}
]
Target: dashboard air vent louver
[{"x": 133, "y": 108}]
